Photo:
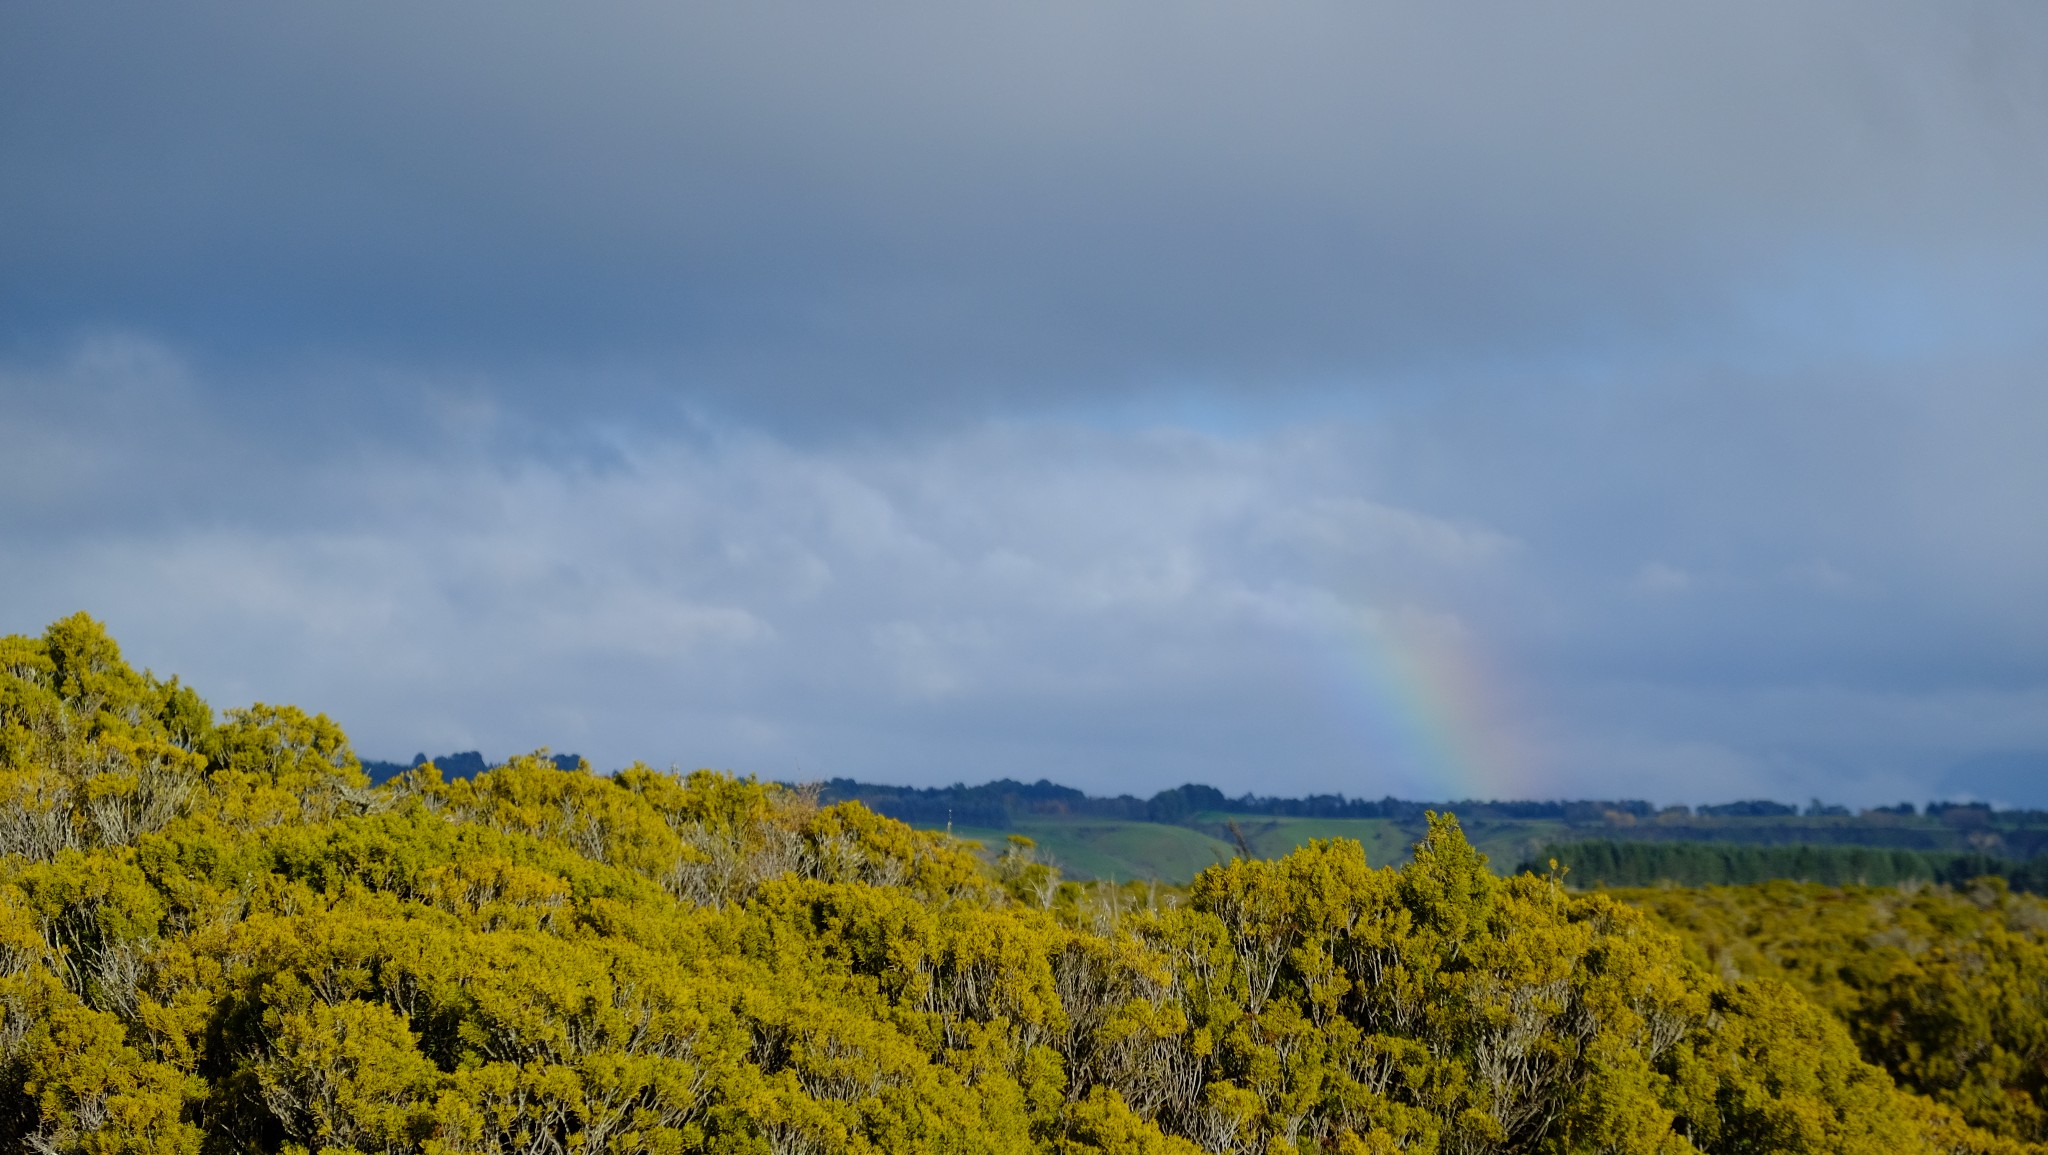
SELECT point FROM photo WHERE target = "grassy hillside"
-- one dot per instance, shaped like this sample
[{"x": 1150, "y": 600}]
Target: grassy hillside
[
  {"x": 1112, "y": 851},
  {"x": 1175, "y": 832},
  {"x": 1107, "y": 849},
  {"x": 1088, "y": 849},
  {"x": 1386, "y": 841}
]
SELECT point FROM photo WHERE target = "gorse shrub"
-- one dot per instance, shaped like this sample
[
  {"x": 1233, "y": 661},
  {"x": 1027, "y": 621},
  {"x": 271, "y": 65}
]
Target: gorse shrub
[
  {"x": 1946, "y": 988},
  {"x": 216, "y": 936}
]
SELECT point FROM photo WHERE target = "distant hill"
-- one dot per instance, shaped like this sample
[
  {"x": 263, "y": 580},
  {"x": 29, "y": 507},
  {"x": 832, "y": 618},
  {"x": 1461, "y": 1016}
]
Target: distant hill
[
  {"x": 1003, "y": 800},
  {"x": 1174, "y": 833}
]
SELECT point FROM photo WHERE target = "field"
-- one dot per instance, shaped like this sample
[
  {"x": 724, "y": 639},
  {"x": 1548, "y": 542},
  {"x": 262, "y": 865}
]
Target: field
[
  {"x": 1087, "y": 848},
  {"x": 1093, "y": 848},
  {"x": 1116, "y": 851}
]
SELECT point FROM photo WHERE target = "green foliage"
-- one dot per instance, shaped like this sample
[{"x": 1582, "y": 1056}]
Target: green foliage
[
  {"x": 220, "y": 938},
  {"x": 1610, "y": 863},
  {"x": 1947, "y": 989}
]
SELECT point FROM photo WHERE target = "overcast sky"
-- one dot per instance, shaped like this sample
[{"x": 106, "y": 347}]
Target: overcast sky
[{"x": 1523, "y": 401}]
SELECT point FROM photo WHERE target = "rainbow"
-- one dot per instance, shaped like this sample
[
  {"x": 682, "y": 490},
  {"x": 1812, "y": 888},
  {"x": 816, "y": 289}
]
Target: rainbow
[{"x": 1428, "y": 710}]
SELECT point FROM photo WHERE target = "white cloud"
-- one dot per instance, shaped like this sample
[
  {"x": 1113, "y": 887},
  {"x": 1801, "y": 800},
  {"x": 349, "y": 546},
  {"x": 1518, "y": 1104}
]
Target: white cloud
[{"x": 1120, "y": 608}]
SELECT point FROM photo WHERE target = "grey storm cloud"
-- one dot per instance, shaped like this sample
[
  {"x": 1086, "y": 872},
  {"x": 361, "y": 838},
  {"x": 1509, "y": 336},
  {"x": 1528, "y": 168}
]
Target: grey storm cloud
[
  {"x": 1615, "y": 399},
  {"x": 798, "y": 211}
]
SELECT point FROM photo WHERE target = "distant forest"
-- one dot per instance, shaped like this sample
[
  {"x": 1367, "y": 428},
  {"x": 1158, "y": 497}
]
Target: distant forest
[
  {"x": 1000, "y": 804},
  {"x": 1620, "y": 864},
  {"x": 997, "y": 804}
]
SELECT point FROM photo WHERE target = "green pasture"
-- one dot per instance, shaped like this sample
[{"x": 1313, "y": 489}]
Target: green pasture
[
  {"x": 1144, "y": 851},
  {"x": 1387, "y": 842},
  {"x": 1121, "y": 851}
]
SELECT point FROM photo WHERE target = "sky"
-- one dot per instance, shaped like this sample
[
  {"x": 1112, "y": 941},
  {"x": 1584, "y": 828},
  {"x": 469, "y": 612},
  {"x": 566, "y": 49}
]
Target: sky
[{"x": 1575, "y": 400}]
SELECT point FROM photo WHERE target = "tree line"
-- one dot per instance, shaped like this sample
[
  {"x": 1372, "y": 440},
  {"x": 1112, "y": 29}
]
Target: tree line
[
  {"x": 998, "y": 804},
  {"x": 1939, "y": 826},
  {"x": 1608, "y": 862}
]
